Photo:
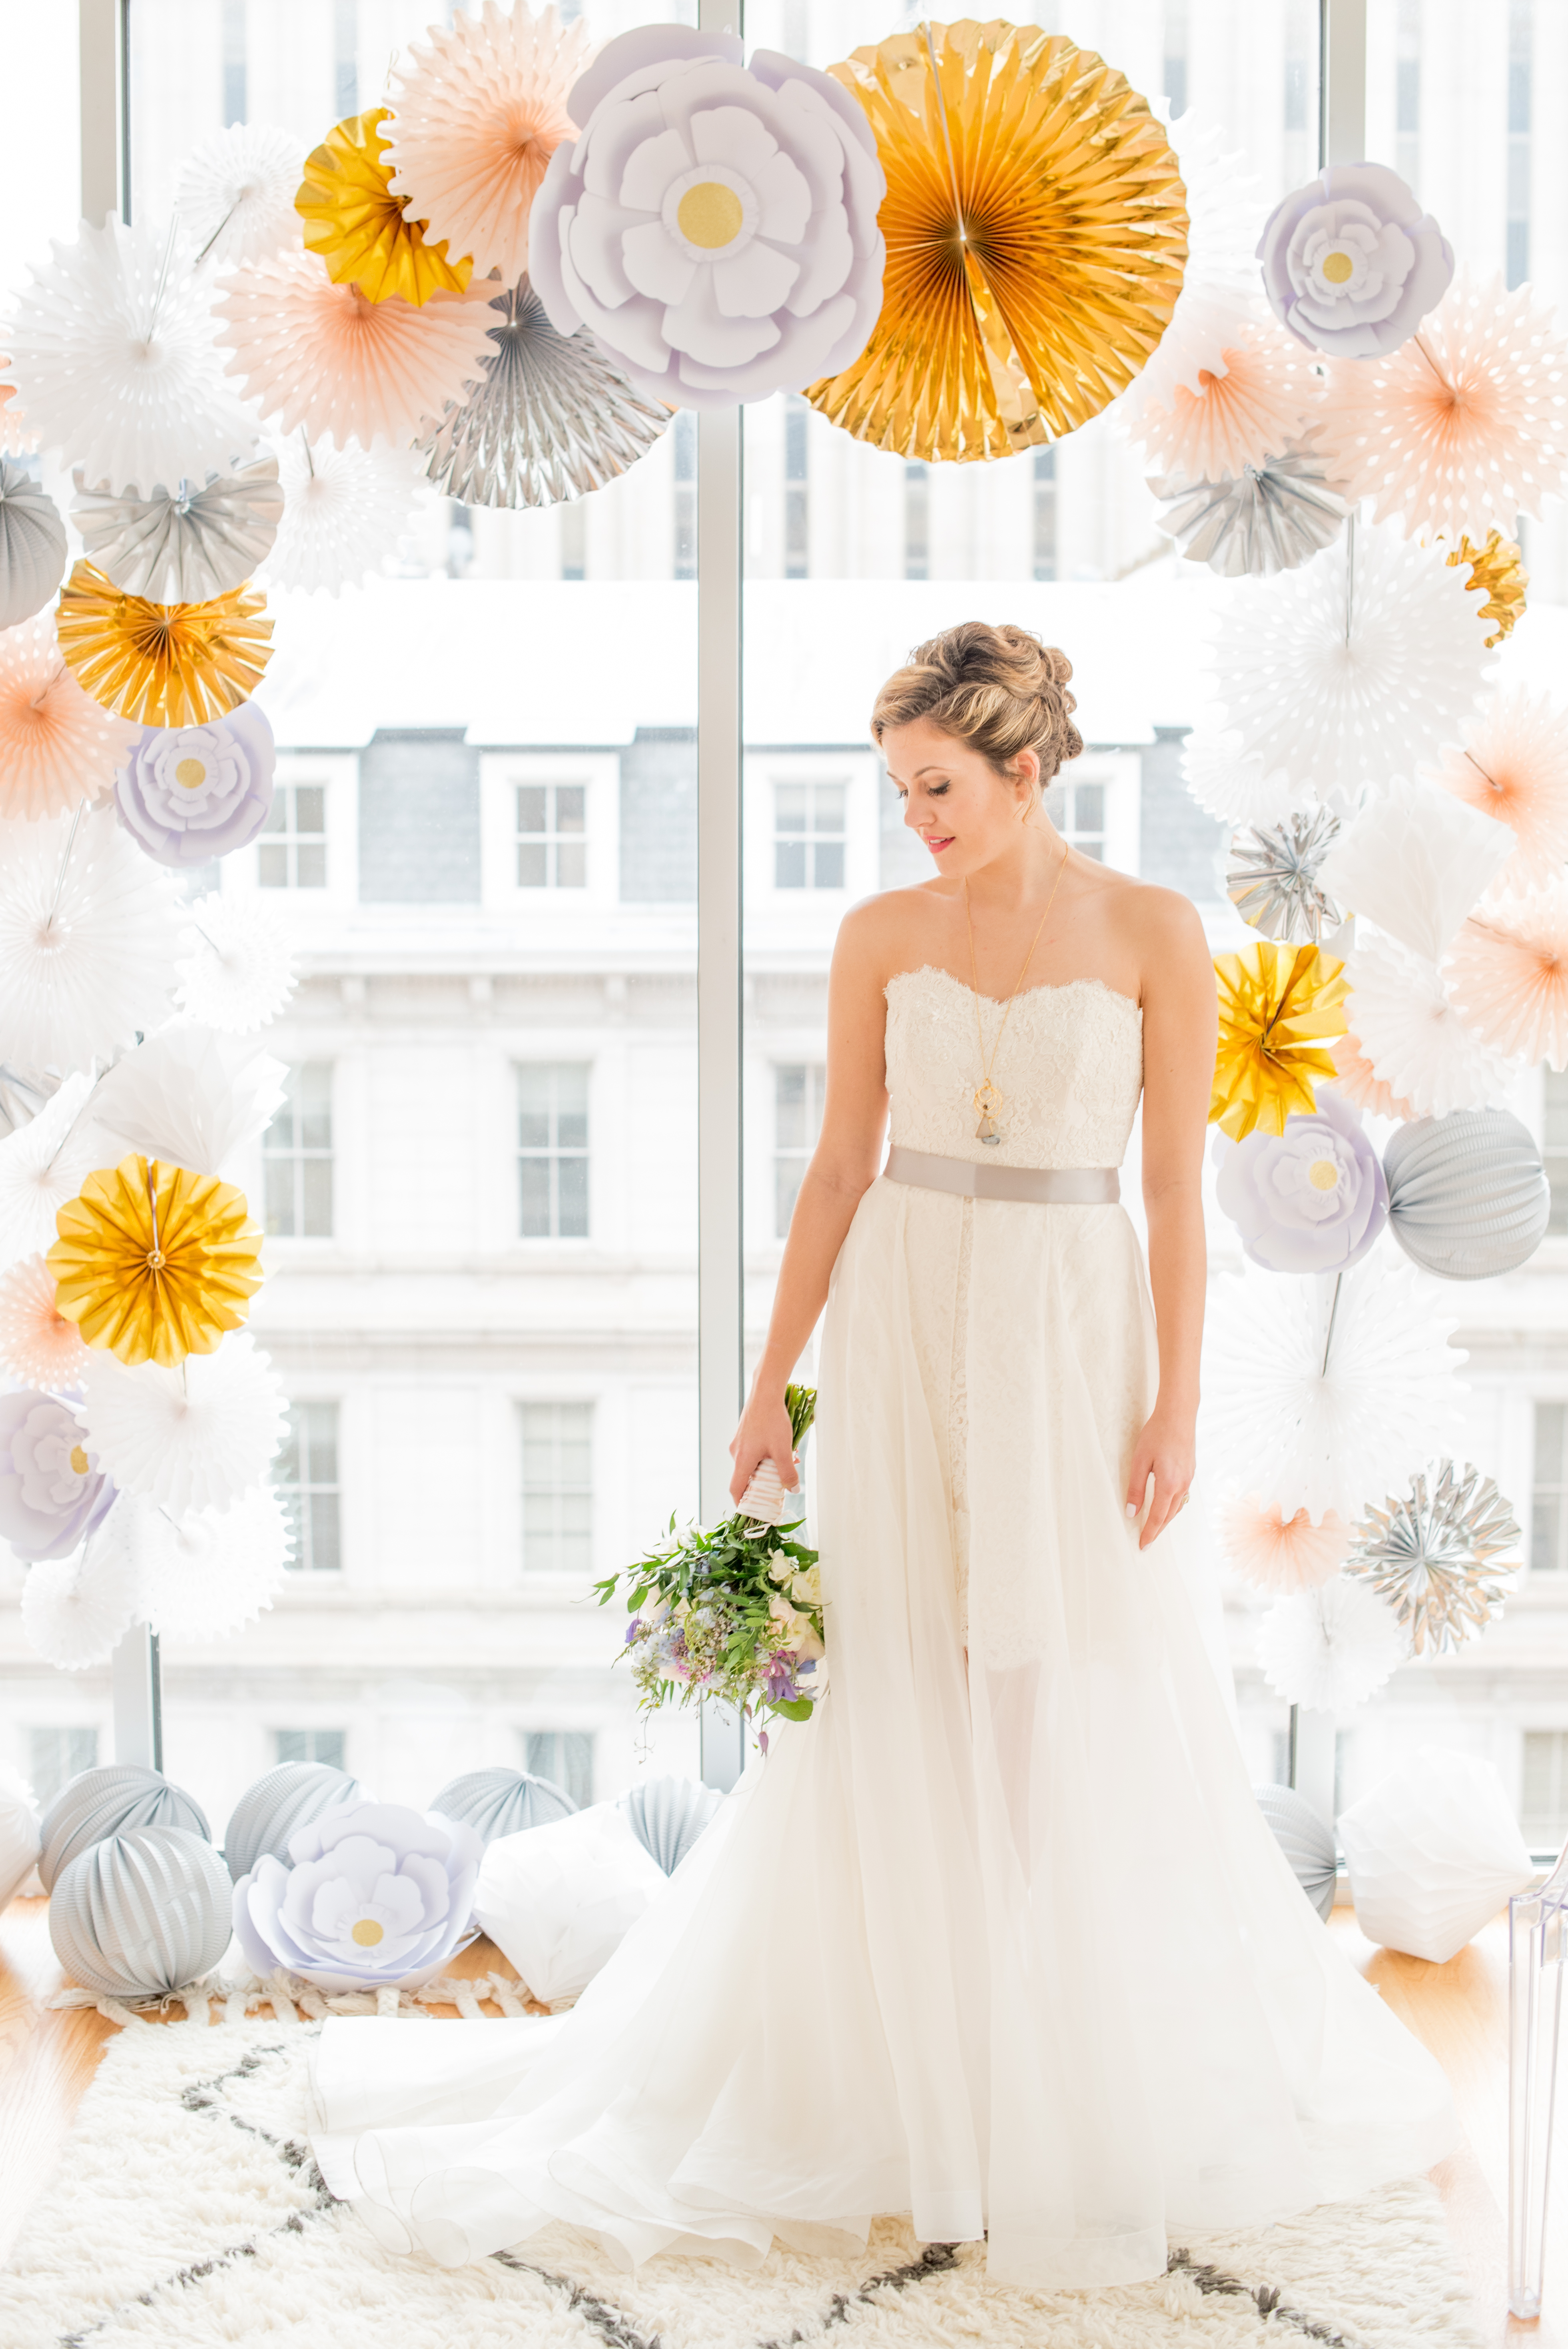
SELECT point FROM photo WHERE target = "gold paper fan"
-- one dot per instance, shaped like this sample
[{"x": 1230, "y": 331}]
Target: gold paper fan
[
  {"x": 360, "y": 229},
  {"x": 1279, "y": 1007},
  {"x": 1497, "y": 571},
  {"x": 162, "y": 663},
  {"x": 1036, "y": 225},
  {"x": 154, "y": 1262}
]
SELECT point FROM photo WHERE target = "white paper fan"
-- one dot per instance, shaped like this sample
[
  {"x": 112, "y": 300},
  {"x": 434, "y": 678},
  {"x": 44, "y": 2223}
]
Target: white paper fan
[
  {"x": 87, "y": 933},
  {"x": 1307, "y": 1437},
  {"x": 194, "y": 1437},
  {"x": 42, "y": 1165},
  {"x": 186, "y": 543},
  {"x": 189, "y": 1095},
  {"x": 1414, "y": 862},
  {"x": 1231, "y": 784},
  {"x": 204, "y": 1575},
  {"x": 1329, "y": 1649},
  {"x": 77, "y": 1609},
  {"x": 1219, "y": 284},
  {"x": 240, "y": 970},
  {"x": 236, "y": 194},
  {"x": 1410, "y": 1031},
  {"x": 344, "y": 511}
]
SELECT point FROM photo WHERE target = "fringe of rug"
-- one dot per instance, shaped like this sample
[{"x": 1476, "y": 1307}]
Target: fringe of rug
[{"x": 293, "y": 1999}]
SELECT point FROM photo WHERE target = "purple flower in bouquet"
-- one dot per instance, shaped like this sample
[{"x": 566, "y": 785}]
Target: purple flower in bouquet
[
  {"x": 53, "y": 1492},
  {"x": 1351, "y": 263},
  {"x": 1310, "y": 1199},
  {"x": 186, "y": 793},
  {"x": 374, "y": 1893}
]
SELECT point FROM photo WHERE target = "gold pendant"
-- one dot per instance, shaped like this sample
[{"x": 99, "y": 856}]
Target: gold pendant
[{"x": 988, "y": 1102}]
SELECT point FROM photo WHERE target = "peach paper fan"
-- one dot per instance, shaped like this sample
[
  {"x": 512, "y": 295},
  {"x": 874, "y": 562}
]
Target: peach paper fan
[
  {"x": 1513, "y": 765},
  {"x": 1279, "y": 1553},
  {"x": 1358, "y": 1081},
  {"x": 1508, "y": 975},
  {"x": 37, "y": 1344},
  {"x": 57, "y": 746},
  {"x": 1264, "y": 399}
]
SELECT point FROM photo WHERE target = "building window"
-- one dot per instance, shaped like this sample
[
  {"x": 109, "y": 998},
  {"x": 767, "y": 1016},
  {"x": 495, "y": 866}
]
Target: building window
[
  {"x": 1175, "y": 61},
  {"x": 1548, "y": 1512},
  {"x": 551, "y": 828},
  {"x": 291, "y": 852},
  {"x": 305, "y": 1477},
  {"x": 1543, "y": 1789},
  {"x": 326, "y": 1745},
  {"x": 798, "y": 1092},
  {"x": 797, "y": 543},
  {"x": 1078, "y": 811},
  {"x": 1045, "y": 513},
  {"x": 1408, "y": 93},
  {"x": 916, "y": 521},
  {"x": 233, "y": 62},
  {"x": 1520, "y": 44},
  {"x": 684, "y": 434},
  {"x": 1554, "y": 1145},
  {"x": 564, "y": 1756},
  {"x": 558, "y": 1488},
  {"x": 56, "y": 1756},
  {"x": 809, "y": 835},
  {"x": 552, "y": 1149},
  {"x": 296, "y": 1155},
  {"x": 574, "y": 540}
]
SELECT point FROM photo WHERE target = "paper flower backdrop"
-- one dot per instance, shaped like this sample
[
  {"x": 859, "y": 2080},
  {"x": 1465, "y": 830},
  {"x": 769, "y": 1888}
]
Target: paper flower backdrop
[
  {"x": 32, "y": 546},
  {"x": 551, "y": 417},
  {"x": 236, "y": 194},
  {"x": 112, "y": 352},
  {"x": 1310, "y": 1199},
  {"x": 182, "y": 544},
  {"x": 53, "y": 1489},
  {"x": 42, "y": 1164},
  {"x": 86, "y": 937},
  {"x": 478, "y": 110},
  {"x": 240, "y": 970},
  {"x": 1413, "y": 1034},
  {"x": 1358, "y": 1081},
  {"x": 208, "y": 1574},
  {"x": 1230, "y": 782},
  {"x": 715, "y": 229},
  {"x": 374, "y": 1893},
  {"x": 1277, "y": 1553},
  {"x": 1436, "y": 1557},
  {"x": 1274, "y": 878},
  {"x": 1462, "y": 428},
  {"x": 188, "y": 793},
  {"x": 77, "y": 1609},
  {"x": 1351, "y": 263},
  {"x": 37, "y": 1344},
  {"x": 57, "y": 746},
  {"x": 194, "y": 1437},
  {"x": 1508, "y": 975},
  {"x": 191, "y": 1096},
  {"x": 345, "y": 511},
  {"x": 364, "y": 233},
  {"x": 162, "y": 663},
  {"x": 1329, "y": 1649},
  {"x": 1278, "y": 1006},
  {"x": 155, "y": 1262},
  {"x": 1513, "y": 765},
  {"x": 1497, "y": 573},
  {"x": 1269, "y": 516},
  {"x": 1258, "y": 403},
  {"x": 1415, "y": 860}
]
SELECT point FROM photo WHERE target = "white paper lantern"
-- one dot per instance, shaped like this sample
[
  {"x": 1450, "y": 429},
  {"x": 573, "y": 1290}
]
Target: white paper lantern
[
  {"x": 500, "y": 1802},
  {"x": 282, "y": 1801},
  {"x": 560, "y": 1899},
  {"x": 32, "y": 546},
  {"x": 144, "y": 1912},
  {"x": 108, "y": 1802},
  {"x": 1305, "y": 1841},
  {"x": 668, "y": 1815},
  {"x": 191, "y": 1095},
  {"x": 1433, "y": 1852}
]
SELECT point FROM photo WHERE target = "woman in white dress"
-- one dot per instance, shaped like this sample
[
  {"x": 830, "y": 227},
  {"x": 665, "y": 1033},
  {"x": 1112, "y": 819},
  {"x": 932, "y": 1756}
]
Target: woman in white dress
[{"x": 999, "y": 1939}]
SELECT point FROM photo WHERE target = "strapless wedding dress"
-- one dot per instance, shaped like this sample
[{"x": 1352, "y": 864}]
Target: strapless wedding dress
[{"x": 999, "y": 1939}]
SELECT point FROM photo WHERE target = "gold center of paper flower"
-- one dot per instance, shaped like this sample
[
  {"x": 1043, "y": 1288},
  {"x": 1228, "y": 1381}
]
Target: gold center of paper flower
[
  {"x": 155, "y": 1259},
  {"x": 78, "y": 1460},
  {"x": 192, "y": 772},
  {"x": 1323, "y": 1175},
  {"x": 1337, "y": 268},
  {"x": 710, "y": 215},
  {"x": 367, "y": 1932}
]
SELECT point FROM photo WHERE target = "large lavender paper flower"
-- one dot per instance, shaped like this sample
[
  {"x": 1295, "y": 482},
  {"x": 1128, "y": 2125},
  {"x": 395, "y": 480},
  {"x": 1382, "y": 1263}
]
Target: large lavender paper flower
[
  {"x": 374, "y": 1894},
  {"x": 1310, "y": 1199},
  {"x": 714, "y": 227},
  {"x": 52, "y": 1491},
  {"x": 1351, "y": 263},
  {"x": 190, "y": 793}
]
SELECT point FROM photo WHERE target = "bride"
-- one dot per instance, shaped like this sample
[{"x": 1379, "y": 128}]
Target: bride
[{"x": 999, "y": 1939}]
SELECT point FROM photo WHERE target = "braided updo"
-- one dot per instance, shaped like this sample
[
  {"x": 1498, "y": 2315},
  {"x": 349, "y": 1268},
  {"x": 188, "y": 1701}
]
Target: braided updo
[{"x": 1000, "y": 690}]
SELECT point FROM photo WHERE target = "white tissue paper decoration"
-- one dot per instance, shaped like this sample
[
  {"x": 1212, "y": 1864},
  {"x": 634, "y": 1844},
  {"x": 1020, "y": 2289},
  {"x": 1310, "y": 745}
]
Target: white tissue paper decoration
[
  {"x": 189, "y": 1095},
  {"x": 560, "y": 1899},
  {"x": 1433, "y": 1853},
  {"x": 1330, "y": 1649},
  {"x": 87, "y": 932},
  {"x": 42, "y": 1164},
  {"x": 1410, "y": 1030},
  {"x": 1414, "y": 862},
  {"x": 239, "y": 970},
  {"x": 193, "y": 1437},
  {"x": 77, "y": 1609}
]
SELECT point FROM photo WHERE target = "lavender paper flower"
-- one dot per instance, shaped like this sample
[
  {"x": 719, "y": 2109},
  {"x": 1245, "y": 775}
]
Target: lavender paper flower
[
  {"x": 374, "y": 1894},
  {"x": 190, "y": 793},
  {"x": 1351, "y": 263},
  {"x": 53, "y": 1492},
  {"x": 1310, "y": 1199}
]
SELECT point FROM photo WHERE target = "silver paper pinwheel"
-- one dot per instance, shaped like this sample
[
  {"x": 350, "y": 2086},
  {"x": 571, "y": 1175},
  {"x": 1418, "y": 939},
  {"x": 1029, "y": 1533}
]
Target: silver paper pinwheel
[
  {"x": 1272, "y": 877},
  {"x": 1267, "y": 517},
  {"x": 551, "y": 418},
  {"x": 32, "y": 546},
  {"x": 184, "y": 544},
  {"x": 1436, "y": 1557}
]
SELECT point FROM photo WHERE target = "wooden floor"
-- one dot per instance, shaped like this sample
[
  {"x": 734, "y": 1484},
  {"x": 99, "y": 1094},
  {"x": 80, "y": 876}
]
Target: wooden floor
[{"x": 1460, "y": 2010}]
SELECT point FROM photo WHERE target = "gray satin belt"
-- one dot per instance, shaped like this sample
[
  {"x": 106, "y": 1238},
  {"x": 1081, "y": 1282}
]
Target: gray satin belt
[{"x": 1045, "y": 1186}]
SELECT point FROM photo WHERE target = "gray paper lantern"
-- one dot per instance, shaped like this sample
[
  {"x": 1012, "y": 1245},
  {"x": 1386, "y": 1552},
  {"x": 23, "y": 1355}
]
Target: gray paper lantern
[
  {"x": 668, "y": 1815},
  {"x": 142, "y": 1913},
  {"x": 1468, "y": 1196},
  {"x": 32, "y": 546},
  {"x": 280, "y": 1802},
  {"x": 1305, "y": 1842},
  {"x": 496, "y": 1802},
  {"x": 105, "y": 1802}
]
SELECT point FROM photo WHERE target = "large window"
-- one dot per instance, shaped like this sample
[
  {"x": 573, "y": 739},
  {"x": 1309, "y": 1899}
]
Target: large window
[
  {"x": 56, "y": 1756},
  {"x": 809, "y": 835},
  {"x": 292, "y": 852}
]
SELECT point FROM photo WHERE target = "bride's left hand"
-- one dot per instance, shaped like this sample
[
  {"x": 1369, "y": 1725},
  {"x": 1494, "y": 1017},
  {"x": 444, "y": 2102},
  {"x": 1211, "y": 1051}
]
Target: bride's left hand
[{"x": 1167, "y": 1452}]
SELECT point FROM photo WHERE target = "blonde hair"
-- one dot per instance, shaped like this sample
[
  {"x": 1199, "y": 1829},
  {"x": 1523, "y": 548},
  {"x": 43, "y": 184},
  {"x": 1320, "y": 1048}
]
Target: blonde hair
[{"x": 999, "y": 690}]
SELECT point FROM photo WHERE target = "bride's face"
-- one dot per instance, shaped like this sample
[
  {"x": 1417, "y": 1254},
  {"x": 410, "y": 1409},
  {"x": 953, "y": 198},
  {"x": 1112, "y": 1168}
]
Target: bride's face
[{"x": 954, "y": 800}]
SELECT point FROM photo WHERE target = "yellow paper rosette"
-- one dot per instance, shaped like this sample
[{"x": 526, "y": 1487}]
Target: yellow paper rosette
[
  {"x": 162, "y": 663},
  {"x": 1497, "y": 573},
  {"x": 1277, "y": 1004},
  {"x": 1036, "y": 224},
  {"x": 153, "y": 1262},
  {"x": 360, "y": 229}
]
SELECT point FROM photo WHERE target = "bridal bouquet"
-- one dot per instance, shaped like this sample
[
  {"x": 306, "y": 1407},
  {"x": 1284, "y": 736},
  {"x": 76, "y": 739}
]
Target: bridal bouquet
[{"x": 733, "y": 1611}]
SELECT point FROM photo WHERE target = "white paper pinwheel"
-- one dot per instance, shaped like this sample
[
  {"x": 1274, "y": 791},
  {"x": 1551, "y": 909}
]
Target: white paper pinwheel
[
  {"x": 188, "y": 793},
  {"x": 371, "y": 1893},
  {"x": 189, "y": 1095},
  {"x": 77, "y": 1609},
  {"x": 1415, "y": 860},
  {"x": 194, "y": 1437},
  {"x": 32, "y": 546},
  {"x": 714, "y": 227},
  {"x": 1330, "y": 1649},
  {"x": 344, "y": 509},
  {"x": 42, "y": 1164},
  {"x": 185, "y": 544},
  {"x": 205, "y": 1575},
  {"x": 87, "y": 932},
  {"x": 239, "y": 971},
  {"x": 1230, "y": 781},
  {"x": 1351, "y": 263},
  {"x": 1220, "y": 281},
  {"x": 237, "y": 195},
  {"x": 1414, "y": 1035}
]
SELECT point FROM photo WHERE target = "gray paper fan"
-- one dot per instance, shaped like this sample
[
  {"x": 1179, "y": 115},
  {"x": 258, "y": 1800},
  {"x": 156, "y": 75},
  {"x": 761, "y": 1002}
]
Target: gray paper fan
[
  {"x": 32, "y": 546},
  {"x": 184, "y": 544},
  {"x": 145, "y": 1912},
  {"x": 1269, "y": 517},
  {"x": 1467, "y": 1195},
  {"x": 1272, "y": 878},
  {"x": 105, "y": 1802},
  {"x": 498, "y": 1802},
  {"x": 1305, "y": 1842},
  {"x": 668, "y": 1815},
  {"x": 551, "y": 420},
  {"x": 282, "y": 1801}
]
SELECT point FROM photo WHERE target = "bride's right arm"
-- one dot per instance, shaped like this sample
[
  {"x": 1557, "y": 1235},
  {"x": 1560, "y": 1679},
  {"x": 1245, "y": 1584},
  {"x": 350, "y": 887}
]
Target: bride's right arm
[{"x": 843, "y": 1166}]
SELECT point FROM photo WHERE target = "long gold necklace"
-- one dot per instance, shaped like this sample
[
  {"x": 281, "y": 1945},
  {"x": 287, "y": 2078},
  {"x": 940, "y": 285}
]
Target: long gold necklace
[{"x": 988, "y": 1100}]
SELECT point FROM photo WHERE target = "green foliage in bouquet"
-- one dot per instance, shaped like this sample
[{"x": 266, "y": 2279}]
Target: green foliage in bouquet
[{"x": 734, "y": 1612}]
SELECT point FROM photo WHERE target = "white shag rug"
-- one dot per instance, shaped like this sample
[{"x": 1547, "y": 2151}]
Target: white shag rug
[{"x": 186, "y": 2212}]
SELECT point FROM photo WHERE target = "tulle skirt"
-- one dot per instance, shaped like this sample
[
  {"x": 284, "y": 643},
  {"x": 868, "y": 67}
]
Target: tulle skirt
[{"x": 999, "y": 1939}]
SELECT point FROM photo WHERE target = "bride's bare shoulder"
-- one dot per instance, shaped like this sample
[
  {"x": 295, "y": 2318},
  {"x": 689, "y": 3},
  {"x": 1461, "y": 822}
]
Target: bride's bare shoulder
[{"x": 894, "y": 923}]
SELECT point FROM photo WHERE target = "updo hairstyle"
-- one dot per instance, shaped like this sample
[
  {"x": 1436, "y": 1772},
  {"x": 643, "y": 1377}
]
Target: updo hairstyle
[{"x": 999, "y": 690}]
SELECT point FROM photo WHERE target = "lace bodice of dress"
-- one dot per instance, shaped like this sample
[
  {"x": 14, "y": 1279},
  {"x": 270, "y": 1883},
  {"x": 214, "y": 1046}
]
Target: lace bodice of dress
[{"x": 1070, "y": 1069}]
